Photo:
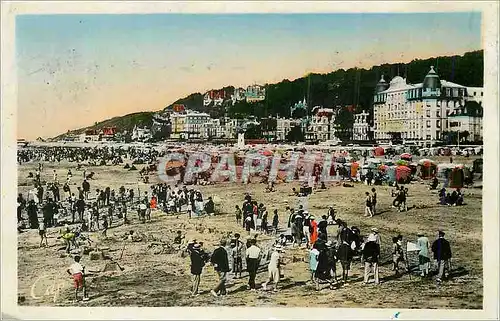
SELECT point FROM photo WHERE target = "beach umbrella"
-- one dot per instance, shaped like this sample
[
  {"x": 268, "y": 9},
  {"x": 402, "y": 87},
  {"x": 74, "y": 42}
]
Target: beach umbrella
[
  {"x": 406, "y": 156},
  {"x": 402, "y": 162},
  {"x": 383, "y": 167},
  {"x": 402, "y": 172},
  {"x": 267, "y": 152},
  {"x": 378, "y": 151}
]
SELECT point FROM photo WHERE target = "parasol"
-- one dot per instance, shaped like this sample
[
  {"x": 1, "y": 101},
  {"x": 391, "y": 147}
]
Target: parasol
[
  {"x": 402, "y": 162},
  {"x": 402, "y": 172},
  {"x": 406, "y": 156},
  {"x": 267, "y": 152},
  {"x": 378, "y": 151}
]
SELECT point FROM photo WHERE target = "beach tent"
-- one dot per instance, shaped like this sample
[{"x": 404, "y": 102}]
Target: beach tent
[
  {"x": 427, "y": 168},
  {"x": 406, "y": 156},
  {"x": 457, "y": 177},
  {"x": 354, "y": 169},
  {"x": 390, "y": 174},
  {"x": 403, "y": 174},
  {"x": 378, "y": 151}
]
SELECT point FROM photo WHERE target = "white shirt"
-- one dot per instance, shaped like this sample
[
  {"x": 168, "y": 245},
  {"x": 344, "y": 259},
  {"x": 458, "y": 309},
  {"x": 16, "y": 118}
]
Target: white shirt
[
  {"x": 76, "y": 268},
  {"x": 273, "y": 263},
  {"x": 41, "y": 226},
  {"x": 253, "y": 252}
]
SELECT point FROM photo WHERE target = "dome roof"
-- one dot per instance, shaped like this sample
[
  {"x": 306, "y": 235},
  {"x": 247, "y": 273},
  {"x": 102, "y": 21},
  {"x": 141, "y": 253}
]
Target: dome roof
[
  {"x": 431, "y": 80},
  {"x": 397, "y": 80},
  {"x": 381, "y": 85}
]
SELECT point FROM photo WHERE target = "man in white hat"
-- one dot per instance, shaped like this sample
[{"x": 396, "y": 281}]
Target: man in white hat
[
  {"x": 274, "y": 268},
  {"x": 375, "y": 234}
]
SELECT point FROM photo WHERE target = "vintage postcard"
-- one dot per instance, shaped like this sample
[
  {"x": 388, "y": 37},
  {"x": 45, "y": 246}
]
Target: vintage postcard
[{"x": 250, "y": 160}]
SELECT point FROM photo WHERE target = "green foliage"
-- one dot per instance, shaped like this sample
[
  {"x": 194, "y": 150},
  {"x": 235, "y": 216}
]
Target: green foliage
[
  {"x": 295, "y": 135},
  {"x": 253, "y": 132},
  {"x": 343, "y": 124}
]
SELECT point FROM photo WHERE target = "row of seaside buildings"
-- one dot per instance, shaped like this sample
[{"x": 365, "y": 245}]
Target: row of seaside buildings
[{"x": 419, "y": 113}]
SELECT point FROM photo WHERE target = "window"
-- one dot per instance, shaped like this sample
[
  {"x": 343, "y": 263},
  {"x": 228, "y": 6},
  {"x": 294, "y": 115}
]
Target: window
[
  {"x": 438, "y": 113},
  {"x": 481, "y": 94},
  {"x": 474, "y": 93},
  {"x": 438, "y": 123},
  {"x": 428, "y": 124},
  {"x": 428, "y": 113}
]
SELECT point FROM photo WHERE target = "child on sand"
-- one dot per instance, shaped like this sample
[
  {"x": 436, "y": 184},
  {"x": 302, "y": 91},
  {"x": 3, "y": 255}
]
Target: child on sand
[
  {"x": 43, "y": 234},
  {"x": 77, "y": 270},
  {"x": 105, "y": 227}
]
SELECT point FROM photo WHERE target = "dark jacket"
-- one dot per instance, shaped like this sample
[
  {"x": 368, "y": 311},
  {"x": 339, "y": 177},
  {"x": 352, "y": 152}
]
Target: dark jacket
[
  {"x": 197, "y": 262},
  {"x": 209, "y": 206},
  {"x": 441, "y": 249},
  {"x": 219, "y": 259},
  {"x": 345, "y": 253},
  {"x": 371, "y": 252}
]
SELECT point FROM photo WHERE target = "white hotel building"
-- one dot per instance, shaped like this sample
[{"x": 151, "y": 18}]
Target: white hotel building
[
  {"x": 361, "y": 127},
  {"x": 418, "y": 112}
]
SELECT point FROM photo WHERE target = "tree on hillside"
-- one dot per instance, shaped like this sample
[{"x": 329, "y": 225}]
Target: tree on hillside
[
  {"x": 253, "y": 132},
  {"x": 343, "y": 124},
  {"x": 295, "y": 135}
]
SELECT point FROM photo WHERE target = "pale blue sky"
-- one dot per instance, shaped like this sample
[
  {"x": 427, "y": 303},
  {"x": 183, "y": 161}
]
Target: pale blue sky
[{"x": 83, "y": 68}]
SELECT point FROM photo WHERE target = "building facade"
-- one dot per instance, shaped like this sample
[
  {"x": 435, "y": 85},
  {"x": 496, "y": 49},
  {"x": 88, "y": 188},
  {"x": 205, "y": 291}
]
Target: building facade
[
  {"x": 416, "y": 112},
  {"x": 361, "y": 127},
  {"x": 255, "y": 93},
  {"x": 322, "y": 124},
  {"x": 215, "y": 97},
  {"x": 196, "y": 125},
  {"x": 141, "y": 134},
  {"x": 238, "y": 95},
  {"x": 467, "y": 121},
  {"x": 215, "y": 128},
  {"x": 283, "y": 127}
]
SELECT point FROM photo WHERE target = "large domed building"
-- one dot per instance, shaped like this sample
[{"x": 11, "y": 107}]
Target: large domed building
[{"x": 417, "y": 112}]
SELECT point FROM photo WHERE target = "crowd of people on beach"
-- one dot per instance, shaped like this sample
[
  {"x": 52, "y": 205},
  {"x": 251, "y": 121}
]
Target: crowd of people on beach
[
  {"x": 235, "y": 256},
  {"x": 60, "y": 205}
]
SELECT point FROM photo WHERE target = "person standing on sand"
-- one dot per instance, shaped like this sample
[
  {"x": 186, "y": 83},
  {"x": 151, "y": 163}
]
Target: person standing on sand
[
  {"x": 345, "y": 254},
  {"x": 197, "y": 264},
  {"x": 43, "y": 234},
  {"x": 397, "y": 253},
  {"x": 238, "y": 215},
  {"x": 253, "y": 255},
  {"x": 313, "y": 230},
  {"x": 368, "y": 205},
  {"x": 77, "y": 271},
  {"x": 313, "y": 263},
  {"x": 274, "y": 268},
  {"x": 371, "y": 254},
  {"x": 221, "y": 265},
  {"x": 442, "y": 254},
  {"x": 423, "y": 254},
  {"x": 237, "y": 256},
  {"x": 275, "y": 222},
  {"x": 374, "y": 200}
]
